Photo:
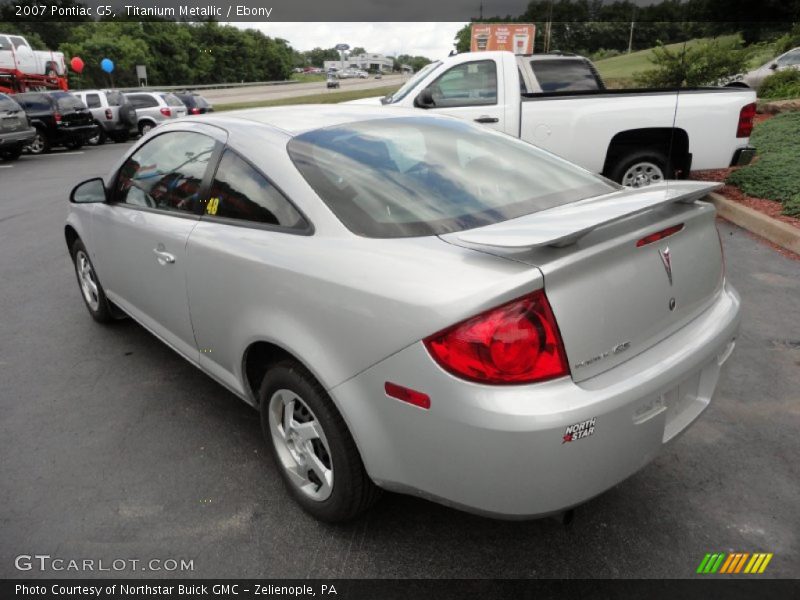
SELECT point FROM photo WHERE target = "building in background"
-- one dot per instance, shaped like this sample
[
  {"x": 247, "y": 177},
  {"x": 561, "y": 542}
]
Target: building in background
[{"x": 363, "y": 62}]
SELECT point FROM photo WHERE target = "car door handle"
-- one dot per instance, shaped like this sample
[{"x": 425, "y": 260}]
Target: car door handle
[
  {"x": 486, "y": 119},
  {"x": 163, "y": 258}
]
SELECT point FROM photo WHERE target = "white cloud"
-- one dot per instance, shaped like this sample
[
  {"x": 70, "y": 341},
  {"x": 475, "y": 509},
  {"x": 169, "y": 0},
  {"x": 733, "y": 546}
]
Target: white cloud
[{"x": 433, "y": 40}]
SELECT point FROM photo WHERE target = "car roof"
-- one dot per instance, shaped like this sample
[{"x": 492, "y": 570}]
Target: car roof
[{"x": 300, "y": 118}]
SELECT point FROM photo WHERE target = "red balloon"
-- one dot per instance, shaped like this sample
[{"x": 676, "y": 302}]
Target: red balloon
[{"x": 77, "y": 64}]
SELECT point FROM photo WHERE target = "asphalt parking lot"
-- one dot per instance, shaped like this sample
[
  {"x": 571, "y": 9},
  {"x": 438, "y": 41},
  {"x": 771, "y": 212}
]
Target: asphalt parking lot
[{"x": 114, "y": 447}]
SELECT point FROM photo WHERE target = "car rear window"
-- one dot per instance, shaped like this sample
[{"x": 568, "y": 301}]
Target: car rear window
[
  {"x": 115, "y": 98},
  {"x": 66, "y": 101},
  {"x": 564, "y": 75},
  {"x": 7, "y": 103},
  {"x": 172, "y": 100},
  {"x": 416, "y": 176}
]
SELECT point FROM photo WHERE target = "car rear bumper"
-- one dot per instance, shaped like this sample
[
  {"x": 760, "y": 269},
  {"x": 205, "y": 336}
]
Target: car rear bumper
[
  {"x": 78, "y": 133},
  {"x": 15, "y": 138},
  {"x": 507, "y": 451}
]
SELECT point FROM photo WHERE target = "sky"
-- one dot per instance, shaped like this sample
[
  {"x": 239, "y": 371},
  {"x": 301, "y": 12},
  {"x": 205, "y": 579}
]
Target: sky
[{"x": 433, "y": 40}]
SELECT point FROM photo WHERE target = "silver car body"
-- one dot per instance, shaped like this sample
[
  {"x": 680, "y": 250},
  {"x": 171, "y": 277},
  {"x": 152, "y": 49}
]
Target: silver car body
[
  {"x": 354, "y": 310},
  {"x": 154, "y": 108},
  {"x": 787, "y": 60}
]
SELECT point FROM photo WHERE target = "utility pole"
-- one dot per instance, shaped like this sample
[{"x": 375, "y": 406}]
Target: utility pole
[{"x": 630, "y": 39}]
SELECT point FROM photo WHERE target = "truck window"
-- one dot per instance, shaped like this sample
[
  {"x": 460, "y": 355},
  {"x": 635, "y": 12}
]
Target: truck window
[
  {"x": 4, "y": 43},
  {"x": 564, "y": 75},
  {"x": 18, "y": 42},
  {"x": 93, "y": 101},
  {"x": 467, "y": 84}
]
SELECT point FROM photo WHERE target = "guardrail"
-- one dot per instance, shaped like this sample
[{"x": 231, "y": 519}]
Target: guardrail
[{"x": 205, "y": 86}]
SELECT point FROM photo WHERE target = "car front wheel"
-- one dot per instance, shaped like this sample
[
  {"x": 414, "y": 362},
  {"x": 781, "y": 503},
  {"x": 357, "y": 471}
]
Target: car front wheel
[
  {"x": 312, "y": 447},
  {"x": 93, "y": 295}
]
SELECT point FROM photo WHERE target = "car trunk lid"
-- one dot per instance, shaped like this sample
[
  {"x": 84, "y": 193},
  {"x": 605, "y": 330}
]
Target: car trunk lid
[{"x": 616, "y": 289}]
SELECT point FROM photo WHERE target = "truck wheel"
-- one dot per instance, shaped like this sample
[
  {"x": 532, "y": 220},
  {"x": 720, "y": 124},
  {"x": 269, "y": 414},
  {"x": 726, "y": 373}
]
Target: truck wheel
[
  {"x": 312, "y": 447},
  {"x": 100, "y": 138},
  {"x": 40, "y": 143},
  {"x": 641, "y": 168},
  {"x": 11, "y": 154}
]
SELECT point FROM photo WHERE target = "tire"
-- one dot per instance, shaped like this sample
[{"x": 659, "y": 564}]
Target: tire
[
  {"x": 99, "y": 139},
  {"x": 12, "y": 154},
  {"x": 145, "y": 127},
  {"x": 40, "y": 144},
  {"x": 94, "y": 297},
  {"x": 641, "y": 168},
  {"x": 349, "y": 491}
]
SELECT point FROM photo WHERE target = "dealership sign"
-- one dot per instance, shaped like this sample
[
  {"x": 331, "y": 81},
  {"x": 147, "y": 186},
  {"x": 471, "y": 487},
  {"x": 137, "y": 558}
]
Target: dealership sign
[{"x": 516, "y": 38}]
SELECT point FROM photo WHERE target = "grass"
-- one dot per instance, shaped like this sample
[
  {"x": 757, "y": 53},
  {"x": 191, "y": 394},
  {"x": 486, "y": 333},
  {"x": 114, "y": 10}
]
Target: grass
[
  {"x": 618, "y": 71},
  {"x": 326, "y": 97},
  {"x": 776, "y": 173}
]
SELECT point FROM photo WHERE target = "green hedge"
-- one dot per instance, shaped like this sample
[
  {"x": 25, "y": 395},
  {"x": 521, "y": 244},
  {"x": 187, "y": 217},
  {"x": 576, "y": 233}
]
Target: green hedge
[
  {"x": 783, "y": 84},
  {"x": 776, "y": 173}
]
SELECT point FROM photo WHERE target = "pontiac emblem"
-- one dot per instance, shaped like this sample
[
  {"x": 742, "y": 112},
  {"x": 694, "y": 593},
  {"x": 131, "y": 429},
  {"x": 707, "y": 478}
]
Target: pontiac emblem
[{"x": 665, "y": 258}]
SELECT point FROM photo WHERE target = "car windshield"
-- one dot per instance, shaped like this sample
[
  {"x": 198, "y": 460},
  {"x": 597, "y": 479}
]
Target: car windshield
[
  {"x": 411, "y": 83},
  {"x": 790, "y": 58},
  {"x": 7, "y": 103},
  {"x": 416, "y": 176}
]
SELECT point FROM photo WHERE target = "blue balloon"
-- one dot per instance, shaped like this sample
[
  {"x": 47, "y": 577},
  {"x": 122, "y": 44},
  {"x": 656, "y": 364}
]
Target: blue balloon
[{"x": 107, "y": 65}]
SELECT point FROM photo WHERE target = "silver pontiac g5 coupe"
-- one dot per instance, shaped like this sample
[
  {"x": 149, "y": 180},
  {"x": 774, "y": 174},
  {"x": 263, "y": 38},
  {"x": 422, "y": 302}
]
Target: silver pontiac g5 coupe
[{"x": 415, "y": 303}]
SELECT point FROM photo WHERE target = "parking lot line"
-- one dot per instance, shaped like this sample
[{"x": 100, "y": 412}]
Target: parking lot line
[
  {"x": 6, "y": 166},
  {"x": 58, "y": 154}
]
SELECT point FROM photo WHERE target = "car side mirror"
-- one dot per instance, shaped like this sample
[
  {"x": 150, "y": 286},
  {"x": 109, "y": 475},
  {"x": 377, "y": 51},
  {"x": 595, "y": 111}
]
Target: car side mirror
[
  {"x": 773, "y": 66},
  {"x": 91, "y": 190},
  {"x": 425, "y": 99}
]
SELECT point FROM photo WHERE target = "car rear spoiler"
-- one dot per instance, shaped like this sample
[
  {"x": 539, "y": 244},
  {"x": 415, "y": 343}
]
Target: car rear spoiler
[{"x": 565, "y": 225}]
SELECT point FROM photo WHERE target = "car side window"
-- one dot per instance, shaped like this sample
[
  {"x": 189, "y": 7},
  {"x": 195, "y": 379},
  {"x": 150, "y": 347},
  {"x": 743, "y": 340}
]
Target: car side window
[
  {"x": 468, "y": 84},
  {"x": 142, "y": 101},
  {"x": 93, "y": 101},
  {"x": 166, "y": 173},
  {"x": 238, "y": 191}
]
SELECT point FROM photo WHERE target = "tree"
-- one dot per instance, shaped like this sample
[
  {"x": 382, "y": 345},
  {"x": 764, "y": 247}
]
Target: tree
[{"x": 357, "y": 50}]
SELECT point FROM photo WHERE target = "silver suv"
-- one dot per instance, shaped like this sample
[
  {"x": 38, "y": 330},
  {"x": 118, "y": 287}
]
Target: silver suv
[
  {"x": 112, "y": 112},
  {"x": 153, "y": 108}
]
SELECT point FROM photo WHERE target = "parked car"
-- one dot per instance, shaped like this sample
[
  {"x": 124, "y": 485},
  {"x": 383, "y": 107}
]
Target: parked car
[
  {"x": 195, "y": 103},
  {"x": 17, "y": 54},
  {"x": 60, "y": 119},
  {"x": 113, "y": 114},
  {"x": 153, "y": 108},
  {"x": 787, "y": 60},
  {"x": 414, "y": 302},
  {"x": 15, "y": 130},
  {"x": 331, "y": 81},
  {"x": 378, "y": 76},
  {"x": 559, "y": 102}
]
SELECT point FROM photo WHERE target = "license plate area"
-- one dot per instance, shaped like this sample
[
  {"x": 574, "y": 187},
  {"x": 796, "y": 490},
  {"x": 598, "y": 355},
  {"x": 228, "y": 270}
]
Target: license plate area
[{"x": 683, "y": 404}]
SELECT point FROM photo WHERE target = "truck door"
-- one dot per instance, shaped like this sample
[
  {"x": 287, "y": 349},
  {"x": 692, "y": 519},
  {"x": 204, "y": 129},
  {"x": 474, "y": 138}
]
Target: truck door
[{"x": 469, "y": 91}]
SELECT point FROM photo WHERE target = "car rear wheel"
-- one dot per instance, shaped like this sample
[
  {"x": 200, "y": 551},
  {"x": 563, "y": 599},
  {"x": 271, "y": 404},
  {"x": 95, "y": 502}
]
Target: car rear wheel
[
  {"x": 93, "y": 295},
  {"x": 642, "y": 168},
  {"x": 145, "y": 127},
  {"x": 40, "y": 143},
  {"x": 100, "y": 138},
  {"x": 312, "y": 447}
]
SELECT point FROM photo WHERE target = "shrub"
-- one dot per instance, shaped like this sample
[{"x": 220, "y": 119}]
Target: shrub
[
  {"x": 788, "y": 41},
  {"x": 783, "y": 84},
  {"x": 701, "y": 64},
  {"x": 776, "y": 173},
  {"x": 603, "y": 54}
]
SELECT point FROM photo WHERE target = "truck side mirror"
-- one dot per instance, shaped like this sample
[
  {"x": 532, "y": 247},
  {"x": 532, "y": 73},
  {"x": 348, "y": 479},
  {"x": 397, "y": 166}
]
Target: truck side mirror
[{"x": 425, "y": 99}]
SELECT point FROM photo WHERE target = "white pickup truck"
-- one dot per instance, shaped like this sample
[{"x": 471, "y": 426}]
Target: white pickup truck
[
  {"x": 16, "y": 54},
  {"x": 559, "y": 103}
]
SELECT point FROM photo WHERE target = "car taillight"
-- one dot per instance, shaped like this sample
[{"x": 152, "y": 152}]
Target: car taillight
[
  {"x": 746, "y": 116},
  {"x": 57, "y": 117},
  {"x": 194, "y": 111},
  {"x": 109, "y": 114},
  {"x": 166, "y": 112},
  {"x": 659, "y": 235},
  {"x": 518, "y": 342}
]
